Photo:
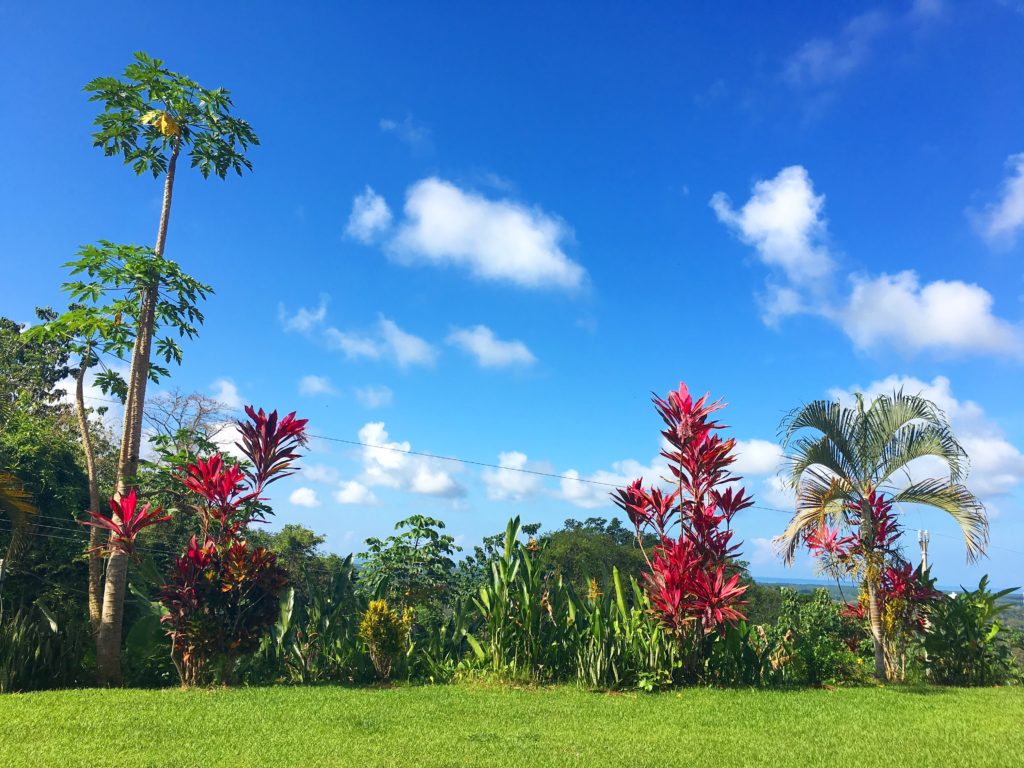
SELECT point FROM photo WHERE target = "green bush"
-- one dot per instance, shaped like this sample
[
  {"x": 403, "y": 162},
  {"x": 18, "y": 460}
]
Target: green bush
[
  {"x": 819, "y": 640},
  {"x": 966, "y": 644}
]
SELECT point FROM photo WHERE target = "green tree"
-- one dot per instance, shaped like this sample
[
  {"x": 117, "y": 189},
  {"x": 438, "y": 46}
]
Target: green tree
[
  {"x": 107, "y": 301},
  {"x": 840, "y": 457},
  {"x": 149, "y": 117},
  {"x": 414, "y": 568}
]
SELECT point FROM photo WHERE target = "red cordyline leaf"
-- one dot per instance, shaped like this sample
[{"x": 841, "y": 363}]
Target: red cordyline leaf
[
  {"x": 125, "y": 522},
  {"x": 271, "y": 444},
  {"x": 220, "y": 485},
  {"x": 692, "y": 577}
]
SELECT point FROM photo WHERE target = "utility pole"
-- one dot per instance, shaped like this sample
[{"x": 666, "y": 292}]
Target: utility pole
[
  {"x": 2, "y": 574},
  {"x": 922, "y": 539}
]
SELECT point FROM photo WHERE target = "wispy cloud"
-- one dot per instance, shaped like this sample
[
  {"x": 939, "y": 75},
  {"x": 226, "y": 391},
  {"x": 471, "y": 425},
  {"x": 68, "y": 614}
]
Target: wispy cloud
[
  {"x": 489, "y": 350},
  {"x": 370, "y": 216},
  {"x": 1001, "y": 222}
]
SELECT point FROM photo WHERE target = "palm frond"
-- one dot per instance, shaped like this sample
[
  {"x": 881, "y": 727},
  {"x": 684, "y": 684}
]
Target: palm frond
[
  {"x": 959, "y": 503},
  {"x": 890, "y": 416},
  {"x": 808, "y": 452},
  {"x": 832, "y": 420},
  {"x": 917, "y": 440},
  {"x": 820, "y": 499},
  {"x": 17, "y": 504}
]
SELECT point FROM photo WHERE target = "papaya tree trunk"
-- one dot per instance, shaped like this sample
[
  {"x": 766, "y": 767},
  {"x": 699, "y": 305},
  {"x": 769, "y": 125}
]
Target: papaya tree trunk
[
  {"x": 108, "y": 638},
  {"x": 95, "y": 534},
  {"x": 877, "y": 634}
]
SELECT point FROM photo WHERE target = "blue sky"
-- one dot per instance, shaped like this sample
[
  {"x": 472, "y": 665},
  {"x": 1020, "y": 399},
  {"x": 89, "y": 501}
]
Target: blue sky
[{"x": 491, "y": 233}]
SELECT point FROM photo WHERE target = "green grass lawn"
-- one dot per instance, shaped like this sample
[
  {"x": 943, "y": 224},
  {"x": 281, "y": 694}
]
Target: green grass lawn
[{"x": 477, "y": 726}]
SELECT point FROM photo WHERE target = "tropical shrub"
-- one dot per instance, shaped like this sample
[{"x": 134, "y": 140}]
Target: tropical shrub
[
  {"x": 966, "y": 643},
  {"x": 818, "y": 640},
  {"x": 693, "y": 581},
  {"x": 223, "y": 594},
  {"x": 40, "y": 650},
  {"x": 386, "y": 634}
]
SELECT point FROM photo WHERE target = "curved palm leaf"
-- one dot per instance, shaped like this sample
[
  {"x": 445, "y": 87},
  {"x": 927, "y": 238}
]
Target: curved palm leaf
[
  {"x": 961, "y": 505},
  {"x": 17, "y": 504}
]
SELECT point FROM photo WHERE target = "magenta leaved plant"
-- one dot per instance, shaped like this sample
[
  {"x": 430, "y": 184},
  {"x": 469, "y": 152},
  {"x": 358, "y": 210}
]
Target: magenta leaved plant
[{"x": 693, "y": 580}]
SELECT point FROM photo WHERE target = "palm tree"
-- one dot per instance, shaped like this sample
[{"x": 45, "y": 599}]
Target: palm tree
[{"x": 839, "y": 458}]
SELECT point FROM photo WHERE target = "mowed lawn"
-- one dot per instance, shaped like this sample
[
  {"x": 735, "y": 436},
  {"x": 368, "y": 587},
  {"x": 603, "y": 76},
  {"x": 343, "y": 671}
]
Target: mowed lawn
[{"x": 483, "y": 726}]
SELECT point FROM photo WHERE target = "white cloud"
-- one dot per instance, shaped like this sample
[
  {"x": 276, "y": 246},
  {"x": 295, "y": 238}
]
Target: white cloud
[
  {"x": 225, "y": 391},
  {"x": 315, "y": 385},
  {"x": 756, "y": 457},
  {"x": 508, "y": 484},
  {"x": 386, "y": 341},
  {"x": 94, "y": 397},
  {"x": 595, "y": 489},
  {"x": 304, "y": 320},
  {"x": 1001, "y": 222},
  {"x": 826, "y": 59},
  {"x": 227, "y": 438},
  {"x": 388, "y": 463},
  {"x": 944, "y": 316},
  {"x": 354, "y": 492},
  {"x": 374, "y": 396},
  {"x": 304, "y": 497},
  {"x": 997, "y": 466},
  {"x": 493, "y": 239},
  {"x": 407, "y": 131},
  {"x": 370, "y": 216},
  {"x": 489, "y": 350},
  {"x": 784, "y": 221},
  {"x": 763, "y": 552},
  {"x": 319, "y": 473}
]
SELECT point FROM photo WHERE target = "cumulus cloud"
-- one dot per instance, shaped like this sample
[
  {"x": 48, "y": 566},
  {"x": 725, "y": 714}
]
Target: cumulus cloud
[
  {"x": 510, "y": 483},
  {"x": 943, "y": 316},
  {"x": 319, "y": 473},
  {"x": 386, "y": 341},
  {"x": 493, "y": 239},
  {"x": 756, "y": 457},
  {"x": 354, "y": 492},
  {"x": 489, "y": 350},
  {"x": 225, "y": 391},
  {"x": 996, "y": 465},
  {"x": 304, "y": 320},
  {"x": 390, "y": 464},
  {"x": 374, "y": 396},
  {"x": 370, "y": 216},
  {"x": 316, "y": 385},
  {"x": 94, "y": 397},
  {"x": 1001, "y": 222},
  {"x": 784, "y": 222},
  {"x": 304, "y": 497}
]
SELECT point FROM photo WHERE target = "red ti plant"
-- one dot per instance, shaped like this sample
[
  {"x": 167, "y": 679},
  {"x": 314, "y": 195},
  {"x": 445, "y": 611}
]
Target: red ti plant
[
  {"x": 693, "y": 582},
  {"x": 125, "y": 523},
  {"x": 223, "y": 594},
  {"x": 873, "y": 547}
]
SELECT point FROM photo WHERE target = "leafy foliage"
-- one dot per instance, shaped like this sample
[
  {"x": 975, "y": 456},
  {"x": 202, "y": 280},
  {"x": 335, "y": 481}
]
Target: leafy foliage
[
  {"x": 152, "y": 111},
  {"x": 966, "y": 642},
  {"x": 386, "y": 634}
]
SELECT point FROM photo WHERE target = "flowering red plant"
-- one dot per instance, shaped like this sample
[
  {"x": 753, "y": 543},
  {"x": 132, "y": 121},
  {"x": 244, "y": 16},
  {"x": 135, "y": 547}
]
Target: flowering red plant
[
  {"x": 232, "y": 495},
  {"x": 223, "y": 594},
  {"x": 125, "y": 522},
  {"x": 693, "y": 580}
]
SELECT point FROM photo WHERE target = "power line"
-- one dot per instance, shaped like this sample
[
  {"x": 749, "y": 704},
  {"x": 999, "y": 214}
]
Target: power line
[{"x": 471, "y": 462}]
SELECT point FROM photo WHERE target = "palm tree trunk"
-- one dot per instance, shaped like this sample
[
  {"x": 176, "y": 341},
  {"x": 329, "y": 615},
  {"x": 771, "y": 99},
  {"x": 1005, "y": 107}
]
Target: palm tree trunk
[
  {"x": 877, "y": 635},
  {"x": 95, "y": 534},
  {"x": 108, "y": 639}
]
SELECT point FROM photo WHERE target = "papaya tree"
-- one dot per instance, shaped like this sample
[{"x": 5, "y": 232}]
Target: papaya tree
[
  {"x": 108, "y": 284},
  {"x": 150, "y": 116}
]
